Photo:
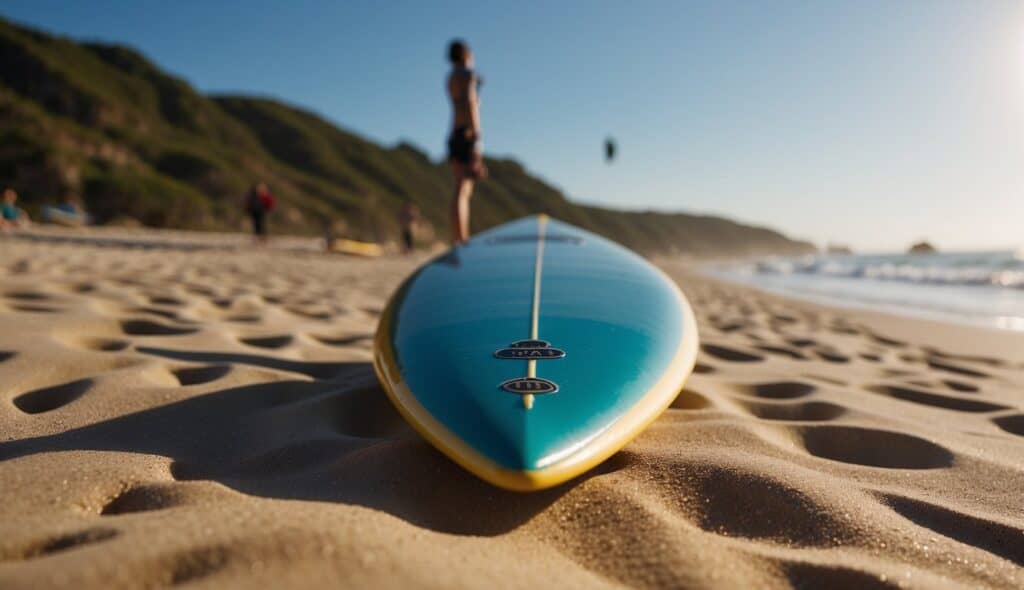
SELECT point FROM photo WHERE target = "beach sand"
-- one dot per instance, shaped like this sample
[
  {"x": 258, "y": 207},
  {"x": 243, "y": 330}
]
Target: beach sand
[{"x": 209, "y": 416}]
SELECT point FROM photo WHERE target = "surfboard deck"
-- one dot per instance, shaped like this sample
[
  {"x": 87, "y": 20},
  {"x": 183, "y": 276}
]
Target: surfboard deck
[{"x": 535, "y": 351}]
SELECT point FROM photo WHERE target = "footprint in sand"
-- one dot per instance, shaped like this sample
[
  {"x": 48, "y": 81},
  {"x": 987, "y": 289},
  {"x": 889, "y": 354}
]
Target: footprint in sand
[
  {"x": 730, "y": 354},
  {"x": 935, "y": 400},
  {"x": 151, "y": 328},
  {"x": 887, "y": 341},
  {"x": 783, "y": 319},
  {"x": 244, "y": 319},
  {"x": 1014, "y": 424},
  {"x": 67, "y": 542},
  {"x": 35, "y": 308},
  {"x": 777, "y": 389},
  {"x": 82, "y": 288},
  {"x": 943, "y": 365},
  {"x": 223, "y": 302},
  {"x": 346, "y": 340},
  {"x": 28, "y": 296},
  {"x": 961, "y": 386},
  {"x": 96, "y": 343},
  {"x": 967, "y": 358},
  {"x": 844, "y": 330},
  {"x": 873, "y": 447},
  {"x": 987, "y": 534},
  {"x": 51, "y": 398},
  {"x": 814, "y": 411},
  {"x": 801, "y": 342},
  {"x": 162, "y": 313},
  {"x": 802, "y": 574},
  {"x": 782, "y": 351},
  {"x": 165, "y": 300},
  {"x": 199, "y": 375},
  {"x": 721, "y": 489},
  {"x": 148, "y": 497},
  {"x": 268, "y": 341},
  {"x": 731, "y": 326},
  {"x": 313, "y": 314},
  {"x": 831, "y": 356}
]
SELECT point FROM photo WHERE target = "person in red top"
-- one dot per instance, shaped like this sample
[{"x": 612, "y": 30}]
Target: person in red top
[{"x": 258, "y": 202}]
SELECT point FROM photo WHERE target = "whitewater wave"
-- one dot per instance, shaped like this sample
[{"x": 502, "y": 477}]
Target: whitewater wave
[{"x": 999, "y": 269}]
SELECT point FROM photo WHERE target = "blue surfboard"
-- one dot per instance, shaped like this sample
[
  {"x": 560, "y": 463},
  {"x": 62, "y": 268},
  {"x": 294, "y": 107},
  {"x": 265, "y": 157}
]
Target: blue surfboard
[{"x": 535, "y": 351}]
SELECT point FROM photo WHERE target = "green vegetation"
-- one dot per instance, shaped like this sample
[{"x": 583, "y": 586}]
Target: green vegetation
[{"x": 104, "y": 122}]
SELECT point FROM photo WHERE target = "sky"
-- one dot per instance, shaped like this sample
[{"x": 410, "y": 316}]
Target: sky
[{"x": 868, "y": 123}]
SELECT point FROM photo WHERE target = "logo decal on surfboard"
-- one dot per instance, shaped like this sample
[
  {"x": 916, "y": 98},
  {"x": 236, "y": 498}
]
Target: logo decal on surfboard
[
  {"x": 527, "y": 350},
  {"x": 529, "y": 386}
]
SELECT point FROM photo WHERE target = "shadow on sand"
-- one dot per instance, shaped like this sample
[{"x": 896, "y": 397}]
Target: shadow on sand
[{"x": 330, "y": 440}]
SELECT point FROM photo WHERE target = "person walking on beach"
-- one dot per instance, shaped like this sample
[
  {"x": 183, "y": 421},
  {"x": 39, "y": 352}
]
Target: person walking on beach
[
  {"x": 464, "y": 151},
  {"x": 407, "y": 218},
  {"x": 259, "y": 202}
]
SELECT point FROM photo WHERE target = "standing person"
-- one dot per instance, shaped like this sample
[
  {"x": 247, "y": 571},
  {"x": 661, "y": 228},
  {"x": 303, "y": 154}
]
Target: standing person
[
  {"x": 464, "y": 141},
  {"x": 407, "y": 218},
  {"x": 259, "y": 202}
]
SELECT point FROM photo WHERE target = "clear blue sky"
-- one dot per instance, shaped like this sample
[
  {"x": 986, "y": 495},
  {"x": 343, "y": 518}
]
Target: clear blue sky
[{"x": 873, "y": 123}]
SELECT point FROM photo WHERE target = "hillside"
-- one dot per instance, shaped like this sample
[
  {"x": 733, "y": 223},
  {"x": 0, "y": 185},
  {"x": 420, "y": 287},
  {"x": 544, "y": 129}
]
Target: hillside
[{"x": 104, "y": 122}]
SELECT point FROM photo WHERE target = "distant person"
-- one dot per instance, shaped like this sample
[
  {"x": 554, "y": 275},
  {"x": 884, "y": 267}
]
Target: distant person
[
  {"x": 258, "y": 203},
  {"x": 464, "y": 150},
  {"x": 329, "y": 237},
  {"x": 609, "y": 150},
  {"x": 408, "y": 217},
  {"x": 12, "y": 216},
  {"x": 67, "y": 212}
]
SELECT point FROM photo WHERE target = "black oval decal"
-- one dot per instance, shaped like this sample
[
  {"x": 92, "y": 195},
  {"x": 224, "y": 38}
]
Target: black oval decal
[
  {"x": 527, "y": 350},
  {"x": 529, "y": 385},
  {"x": 526, "y": 354}
]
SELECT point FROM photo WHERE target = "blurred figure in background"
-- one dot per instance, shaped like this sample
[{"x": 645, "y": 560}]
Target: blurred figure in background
[
  {"x": 407, "y": 219},
  {"x": 464, "y": 150},
  {"x": 258, "y": 203},
  {"x": 67, "y": 212},
  {"x": 609, "y": 149},
  {"x": 11, "y": 216}
]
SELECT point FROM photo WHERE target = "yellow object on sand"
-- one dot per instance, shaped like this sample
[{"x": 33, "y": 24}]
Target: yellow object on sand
[{"x": 355, "y": 248}]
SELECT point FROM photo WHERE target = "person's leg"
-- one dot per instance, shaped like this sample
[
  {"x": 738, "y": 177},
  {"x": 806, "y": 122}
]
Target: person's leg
[
  {"x": 460, "y": 204},
  {"x": 259, "y": 229}
]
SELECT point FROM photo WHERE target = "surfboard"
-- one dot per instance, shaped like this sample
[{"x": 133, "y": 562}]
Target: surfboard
[
  {"x": 356, "y": 248},
  {"x": 535, "y": 351}
]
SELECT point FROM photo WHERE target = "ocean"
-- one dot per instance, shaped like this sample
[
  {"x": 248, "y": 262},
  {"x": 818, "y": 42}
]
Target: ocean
[{"x": 984, "y": 288}]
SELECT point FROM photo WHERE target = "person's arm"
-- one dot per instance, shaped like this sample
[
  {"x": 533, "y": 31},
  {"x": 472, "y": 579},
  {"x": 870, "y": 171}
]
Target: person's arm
[{"x": 474, "y": 106}]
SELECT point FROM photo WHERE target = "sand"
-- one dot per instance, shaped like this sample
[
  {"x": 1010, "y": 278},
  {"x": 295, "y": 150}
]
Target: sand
[{"x": 186, "y": 411}]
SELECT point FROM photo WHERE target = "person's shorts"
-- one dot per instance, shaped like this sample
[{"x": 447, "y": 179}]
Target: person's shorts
[{"x": 460, "y": 149}]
